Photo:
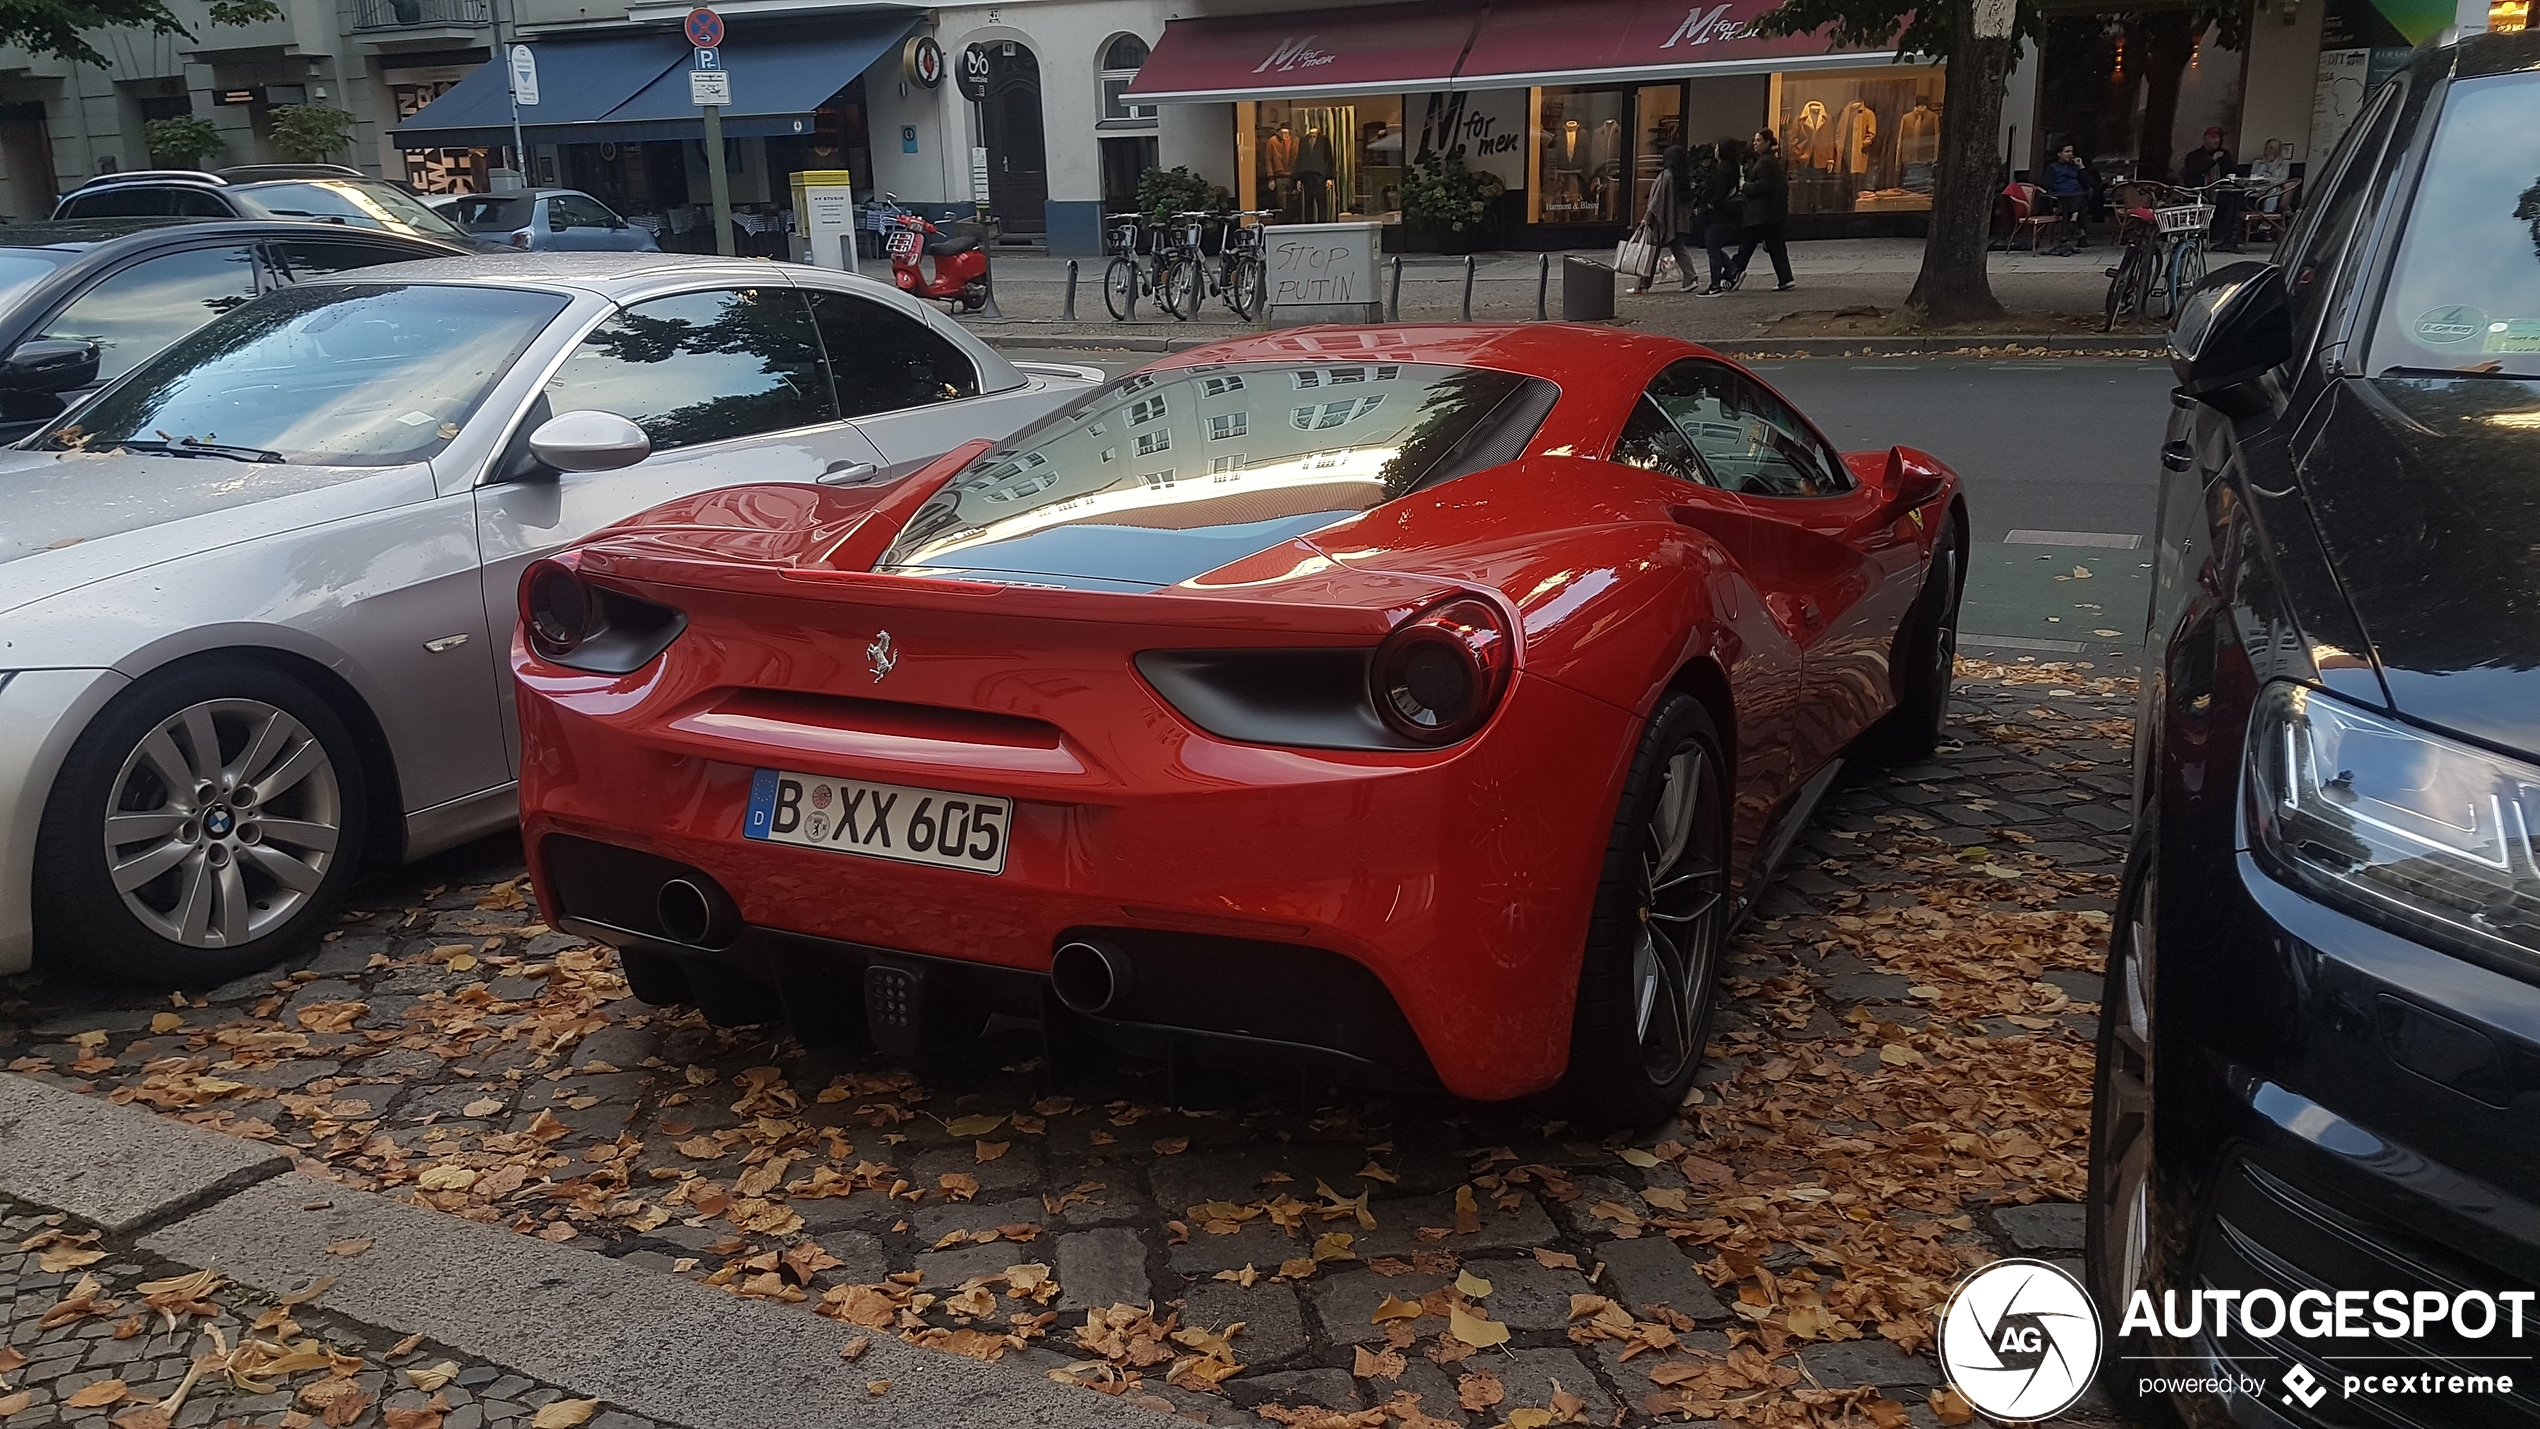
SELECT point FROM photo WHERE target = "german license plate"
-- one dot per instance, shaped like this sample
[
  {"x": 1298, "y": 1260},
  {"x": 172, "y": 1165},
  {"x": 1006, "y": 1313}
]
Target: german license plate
[{"x": 930, "y": 826}]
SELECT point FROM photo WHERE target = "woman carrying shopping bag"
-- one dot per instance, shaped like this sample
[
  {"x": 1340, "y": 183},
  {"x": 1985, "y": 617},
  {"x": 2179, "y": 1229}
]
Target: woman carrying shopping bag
[
  {"x": 1722, "y": 209},
  {"x": 1670, "y": 217}
]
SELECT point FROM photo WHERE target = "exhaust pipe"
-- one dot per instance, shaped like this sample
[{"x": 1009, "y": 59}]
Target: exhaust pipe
[
  {"x": 695, "y": 913},
  {"x": 1089, "y": 975}
]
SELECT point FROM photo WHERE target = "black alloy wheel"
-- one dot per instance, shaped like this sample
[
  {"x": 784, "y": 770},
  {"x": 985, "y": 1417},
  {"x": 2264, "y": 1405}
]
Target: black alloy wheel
[
  {"x": 2120, "y": 1252},
  {"x": 1924, "y": 661},
  {"x": 1650, "y": 977}
]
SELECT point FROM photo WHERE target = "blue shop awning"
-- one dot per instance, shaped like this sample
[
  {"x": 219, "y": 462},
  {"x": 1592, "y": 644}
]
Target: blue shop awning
[
  {"x": 778, "y": 78},
  {"x": 624, "y": 89},
  {"x": 580, "y": 79}
]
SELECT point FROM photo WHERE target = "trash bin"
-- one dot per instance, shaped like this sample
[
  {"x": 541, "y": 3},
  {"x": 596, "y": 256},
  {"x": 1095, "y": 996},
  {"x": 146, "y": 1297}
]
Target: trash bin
[{"x": 1587, "y": 291}]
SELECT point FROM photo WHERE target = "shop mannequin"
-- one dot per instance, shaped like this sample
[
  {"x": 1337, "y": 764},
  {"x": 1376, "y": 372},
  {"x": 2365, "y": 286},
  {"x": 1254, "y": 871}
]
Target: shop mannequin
[
  {"x": 1810, "y": 145},
  {"x": 1855, "y": 130},
  {"x": 1314, "y": 172},
  {"x": 1918, "y": 144}
]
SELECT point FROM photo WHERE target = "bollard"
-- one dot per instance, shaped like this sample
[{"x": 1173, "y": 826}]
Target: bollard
[
  {"x": 988, "y": 228},
  {"x": 1467, "y": 312},
  {"x": 1393, "y": 294},
  {"x": 1543, "y": 283},
  {"x": 1067, "y": 311}
]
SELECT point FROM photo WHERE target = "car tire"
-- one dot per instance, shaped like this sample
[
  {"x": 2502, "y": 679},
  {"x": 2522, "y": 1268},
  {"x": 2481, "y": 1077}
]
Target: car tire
[
  {"x": 192, "y": 887},
  {"x": 1650, "y": 977},
  {"x": 1925, "y": 661},
  {"x": 2120, "y": 1249}
]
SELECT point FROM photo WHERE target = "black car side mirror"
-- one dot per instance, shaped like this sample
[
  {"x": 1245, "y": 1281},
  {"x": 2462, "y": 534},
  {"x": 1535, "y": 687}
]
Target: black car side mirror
[
  {"x": 50, "y": 364},
  {"x": 2236, "y": 325}
]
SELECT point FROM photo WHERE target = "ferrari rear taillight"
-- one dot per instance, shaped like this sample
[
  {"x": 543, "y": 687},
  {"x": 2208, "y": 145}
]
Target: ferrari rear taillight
[
  {"x": 570, "y": 622},
  {"x": 1437, "y": 677},
  {"x": 555, "y": 608}
]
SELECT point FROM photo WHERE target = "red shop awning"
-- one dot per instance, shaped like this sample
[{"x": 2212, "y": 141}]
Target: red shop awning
[
  {"x": 1373, "y": 49},
  {"x": 1528, "y": 42},
  {"x": 1464, "y": 44}
]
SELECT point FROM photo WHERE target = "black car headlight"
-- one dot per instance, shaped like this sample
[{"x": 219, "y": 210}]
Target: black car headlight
[{"x": 2426, "y": 835}]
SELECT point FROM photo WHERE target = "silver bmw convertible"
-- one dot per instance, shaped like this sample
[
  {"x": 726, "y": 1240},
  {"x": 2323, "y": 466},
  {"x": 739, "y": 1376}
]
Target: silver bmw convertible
[{"x": 256, "y": 598}]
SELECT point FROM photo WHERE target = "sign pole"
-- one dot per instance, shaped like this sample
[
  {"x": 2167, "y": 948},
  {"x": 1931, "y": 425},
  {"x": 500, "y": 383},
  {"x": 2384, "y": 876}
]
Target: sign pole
[
  {"x": 710, "y": 89},
  {"x": 718, "y": 184}
]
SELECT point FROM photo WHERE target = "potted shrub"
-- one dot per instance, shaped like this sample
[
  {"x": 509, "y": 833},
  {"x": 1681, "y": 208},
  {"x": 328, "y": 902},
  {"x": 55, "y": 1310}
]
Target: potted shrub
[
  {"x": 1449, "y": 206},
  {"x": 182, "y": 143}
]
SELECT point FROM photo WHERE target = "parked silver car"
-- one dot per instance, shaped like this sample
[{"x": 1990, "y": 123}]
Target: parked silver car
[
  {"x": 256, "y": 598},
  {"x": 545, "y": 221}
]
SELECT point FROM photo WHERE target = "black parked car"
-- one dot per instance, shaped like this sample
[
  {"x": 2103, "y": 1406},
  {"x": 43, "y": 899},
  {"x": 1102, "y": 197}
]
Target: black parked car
[
  {"x": 318, "y": 193},
  {"x": 82, "y": 303},
  {"x": 2319, "y": 1061}
]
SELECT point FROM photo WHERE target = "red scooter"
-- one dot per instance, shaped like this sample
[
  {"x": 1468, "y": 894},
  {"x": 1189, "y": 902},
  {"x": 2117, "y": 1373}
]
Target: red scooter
[{"x": 960, "y": 266}]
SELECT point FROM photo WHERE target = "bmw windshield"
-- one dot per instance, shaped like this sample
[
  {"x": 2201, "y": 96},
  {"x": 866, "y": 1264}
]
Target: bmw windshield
[
  {"x": 2464, "y": 295},
  {"x": 357, "y": 375}
]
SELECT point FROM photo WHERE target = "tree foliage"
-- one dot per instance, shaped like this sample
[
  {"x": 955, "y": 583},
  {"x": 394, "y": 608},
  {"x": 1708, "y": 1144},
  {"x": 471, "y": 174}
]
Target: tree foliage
[
  {"x": 310, "y": 132},
  {"x": 182, "y": 142},
  {"x": 58, "y": 27}
]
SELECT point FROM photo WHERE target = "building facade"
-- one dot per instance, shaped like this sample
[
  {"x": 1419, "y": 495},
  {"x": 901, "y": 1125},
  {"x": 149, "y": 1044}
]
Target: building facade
[{"x": 1309, "y": 112}]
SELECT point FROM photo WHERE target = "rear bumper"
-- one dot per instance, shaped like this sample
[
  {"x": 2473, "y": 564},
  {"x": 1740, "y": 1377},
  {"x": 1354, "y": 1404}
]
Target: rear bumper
[
  {"x": 2343, "y": 1109},
  {"x": 1461, "y": 881}
]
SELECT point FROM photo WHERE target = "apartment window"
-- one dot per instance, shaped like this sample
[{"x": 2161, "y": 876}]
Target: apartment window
[
  {"x": 1228, "y": 424},
  {"x": 1121, "y": 60}
]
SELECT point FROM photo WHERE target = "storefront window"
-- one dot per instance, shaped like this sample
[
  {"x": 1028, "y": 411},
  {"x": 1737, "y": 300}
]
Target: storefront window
[
  {"x": 1860, "y": 141},
  {"x": 1322, "y": 163},
  {"x": 1660, "y": 124},
  {"x": 1580, "y": 153}
]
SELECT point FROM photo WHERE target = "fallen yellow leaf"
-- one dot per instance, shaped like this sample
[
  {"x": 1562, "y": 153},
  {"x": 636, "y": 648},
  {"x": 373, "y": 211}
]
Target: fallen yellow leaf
[
  {"x": 564, "y": 1414},
  {"x": 1473, "y": 1330},
  {"x": 483, "y": 1106},
  {"x": 1471, "y": 1284},
  {"x": 98, "y": 1395},
  {"x": 990, "y": 1150},
  {"x": 1637, "y": 1157},
  {"x": 349, "y": 1247},
  {"x": 973, "y": 1125},
  {"x": 1395, "y": 1308},
  {"x": 165, "y": 1023},
  {"x": 14, "y": 1403}
]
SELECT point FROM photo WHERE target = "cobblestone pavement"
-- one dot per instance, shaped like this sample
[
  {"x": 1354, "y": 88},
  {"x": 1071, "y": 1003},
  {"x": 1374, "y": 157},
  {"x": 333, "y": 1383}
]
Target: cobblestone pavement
[
  {"x": 1897, "y": 1089},
  {"x": 93, "y": 1333}
]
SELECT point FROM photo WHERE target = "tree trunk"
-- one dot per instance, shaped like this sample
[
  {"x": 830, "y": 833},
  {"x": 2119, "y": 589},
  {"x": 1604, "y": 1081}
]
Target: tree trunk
[
  {"x": 1953, "y": 287},
  {"x": 2168, "y": 38}
]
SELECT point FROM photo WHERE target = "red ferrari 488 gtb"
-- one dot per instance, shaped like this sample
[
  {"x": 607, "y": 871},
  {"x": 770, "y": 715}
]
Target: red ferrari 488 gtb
[{"x": 1424, "y": 703}]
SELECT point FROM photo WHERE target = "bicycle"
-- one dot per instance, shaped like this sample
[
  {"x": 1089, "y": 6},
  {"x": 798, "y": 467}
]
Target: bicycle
[
  {"x": 2164, "y": 254},
  {"x": 1241, "y": 275},
  {"x": 1126, "y": 280}
]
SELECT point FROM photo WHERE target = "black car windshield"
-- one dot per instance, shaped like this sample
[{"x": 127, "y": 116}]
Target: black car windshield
[
  {"x": 326, "y": 375},
  {"x": 23, "y": 268},
  {"x": 1163, "y": 475},
  {"x": 2465, "y": 293},
  {"x": 362, "y": 203}
]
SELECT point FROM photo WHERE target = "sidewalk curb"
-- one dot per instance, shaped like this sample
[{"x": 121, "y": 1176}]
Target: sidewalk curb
[
  {"x": 2005, "y": 346},
  {"x": 114, "y": 1167},
  {"x": 656, "y": 1345}
]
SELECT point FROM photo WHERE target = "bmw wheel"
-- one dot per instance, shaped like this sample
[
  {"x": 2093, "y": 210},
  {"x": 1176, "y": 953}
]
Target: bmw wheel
[
  {"x": 1651, "y": 974},
  {"x": 205, "y": 826}
]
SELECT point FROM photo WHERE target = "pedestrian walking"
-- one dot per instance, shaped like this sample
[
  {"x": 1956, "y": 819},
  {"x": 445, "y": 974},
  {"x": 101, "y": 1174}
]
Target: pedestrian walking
[
  {"x": 1671, "y": 216},
  {"x": 1766, "y": 195},
  {"x": 1721, "y": 212}
]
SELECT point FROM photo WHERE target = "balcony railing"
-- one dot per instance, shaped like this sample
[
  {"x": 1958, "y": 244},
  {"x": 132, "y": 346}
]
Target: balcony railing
[{"x": 411, "y": 14}]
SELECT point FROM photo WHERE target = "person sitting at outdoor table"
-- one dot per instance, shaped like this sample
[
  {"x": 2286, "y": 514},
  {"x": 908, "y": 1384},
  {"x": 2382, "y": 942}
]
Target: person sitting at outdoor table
[
  {"x": 2068, "y": 183},
  {"x": 2274, "y": 170},
  {"x": 2211, "y": 164}
]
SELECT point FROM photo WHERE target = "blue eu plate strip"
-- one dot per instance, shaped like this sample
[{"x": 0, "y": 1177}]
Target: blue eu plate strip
[{"x": 762, "y": 804}]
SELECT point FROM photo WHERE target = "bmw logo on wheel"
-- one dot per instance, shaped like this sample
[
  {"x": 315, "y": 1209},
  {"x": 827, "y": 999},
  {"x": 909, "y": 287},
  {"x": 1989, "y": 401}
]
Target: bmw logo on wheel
[{"x": 2020, "y": 1340}]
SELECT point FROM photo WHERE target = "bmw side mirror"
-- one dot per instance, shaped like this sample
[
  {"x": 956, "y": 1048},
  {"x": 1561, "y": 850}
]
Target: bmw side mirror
[
  {"x": 49, "y": 364},
  {"x": 2236, "y": 326},
  {"x": 590, "y": 441}
]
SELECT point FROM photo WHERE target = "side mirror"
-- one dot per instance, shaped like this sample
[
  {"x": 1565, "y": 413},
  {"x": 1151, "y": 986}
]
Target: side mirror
[
  {"x": 50, "y": 364},
  {"x": 2236, "y": 325},
  {"x": 1911, "y": 478},
  {"x": 590, "y": 441}
]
